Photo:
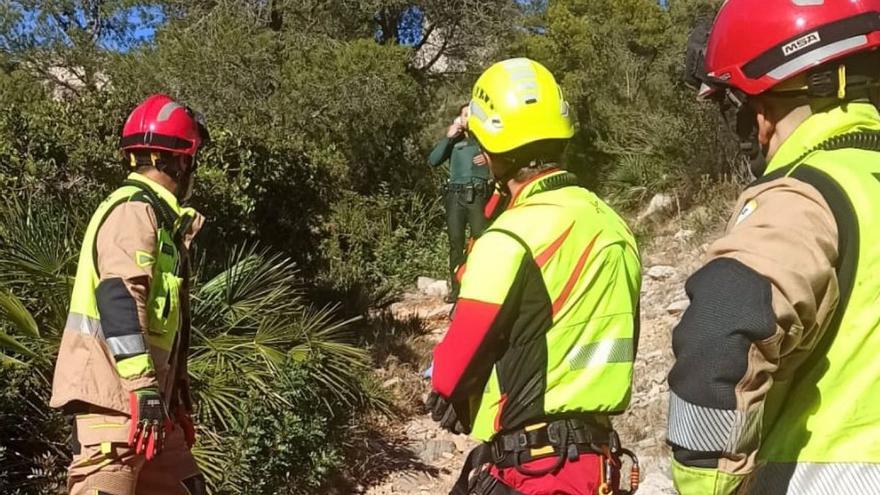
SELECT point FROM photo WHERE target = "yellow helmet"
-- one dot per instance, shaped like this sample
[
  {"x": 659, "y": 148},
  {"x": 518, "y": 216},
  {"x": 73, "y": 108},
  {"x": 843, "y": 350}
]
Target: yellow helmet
[{"x": 517, "y": 102}]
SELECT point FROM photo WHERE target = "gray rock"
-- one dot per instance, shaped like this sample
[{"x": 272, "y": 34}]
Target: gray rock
[
  {"x": 436, "y": 289},
  {"x": 661, "y": 272},
  {"x": 660, "y": 205},
  {"x": 684, "y": 235},
  {"x": 433, "y": 450},
  {"x": 412, "y": 482},
  {"x": 422, "y": 283}
]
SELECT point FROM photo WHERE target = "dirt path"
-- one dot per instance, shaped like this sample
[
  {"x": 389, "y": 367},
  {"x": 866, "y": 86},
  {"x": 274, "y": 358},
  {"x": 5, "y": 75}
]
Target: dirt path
[{"x": 435, "y": 456}]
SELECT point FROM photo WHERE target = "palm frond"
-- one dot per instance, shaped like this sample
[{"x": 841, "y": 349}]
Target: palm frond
[
  {"x": 249, "y": 321},
  {"x": 13, "y": 311},
  {"x": 212, "y": 455},
  {"x": 8, "y": 343},
  {"x": 39, "y": 242},
  {"x": 10, "y": 361}
]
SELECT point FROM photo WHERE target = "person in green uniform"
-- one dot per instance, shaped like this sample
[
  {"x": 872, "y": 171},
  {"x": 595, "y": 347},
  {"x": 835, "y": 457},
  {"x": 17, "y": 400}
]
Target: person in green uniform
[{"x": 466, "y": 192}]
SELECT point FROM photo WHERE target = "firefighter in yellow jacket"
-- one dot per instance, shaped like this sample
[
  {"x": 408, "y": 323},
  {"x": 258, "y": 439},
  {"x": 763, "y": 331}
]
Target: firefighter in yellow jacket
[
  {"x": 121, "y": 367},
  {"x": 775, "y": 384},
  {"x": 540, "y": 353}
]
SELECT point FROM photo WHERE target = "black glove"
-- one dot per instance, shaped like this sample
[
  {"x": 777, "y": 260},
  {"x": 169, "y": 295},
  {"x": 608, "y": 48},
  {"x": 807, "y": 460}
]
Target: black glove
[{"x": 443, "y": 412}]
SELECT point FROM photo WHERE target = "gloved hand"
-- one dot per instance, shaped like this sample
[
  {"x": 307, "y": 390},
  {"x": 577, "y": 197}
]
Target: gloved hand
[
  {"x": 443, "y": 412},
  {"x": 149, "y": 422}
]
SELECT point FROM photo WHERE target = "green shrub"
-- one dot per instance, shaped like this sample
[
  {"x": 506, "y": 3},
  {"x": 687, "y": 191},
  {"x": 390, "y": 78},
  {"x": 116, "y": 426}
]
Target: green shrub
[
  {"x": 284, "y": 446},
  {"x": 379, "y": 244},
  {"x": 33, "y": 438},
  {"x": 274, "y": 379}
]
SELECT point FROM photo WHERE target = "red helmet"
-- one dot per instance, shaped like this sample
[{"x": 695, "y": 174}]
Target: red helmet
[
  {"x": 160, "y": 123},
  {"x": 756, "y": 44}
]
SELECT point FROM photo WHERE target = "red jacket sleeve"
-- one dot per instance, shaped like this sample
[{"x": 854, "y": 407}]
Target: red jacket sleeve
[{"x": 465, "y": 357}]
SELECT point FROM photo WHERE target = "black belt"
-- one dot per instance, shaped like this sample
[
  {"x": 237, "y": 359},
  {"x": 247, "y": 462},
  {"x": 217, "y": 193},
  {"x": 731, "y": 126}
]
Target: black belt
[
  {"x": 566, "y": 439},
  {"x": 484, "y": 185}
]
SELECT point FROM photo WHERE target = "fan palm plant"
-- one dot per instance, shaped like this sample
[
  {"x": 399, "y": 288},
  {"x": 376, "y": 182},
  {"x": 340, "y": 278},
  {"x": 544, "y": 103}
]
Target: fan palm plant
[
  {"x": 38, "y": 249},
  {"x": 19, "y": 318},
  {"x": 250, "y": 326},
  {"x": 37, "y": 261},
  {"x": 249, "y": 319}
]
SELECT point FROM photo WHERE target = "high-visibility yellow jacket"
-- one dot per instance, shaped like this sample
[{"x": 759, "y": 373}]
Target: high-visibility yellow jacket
[
  {"x": 775, "y": 385},
  {"x": 129, "y": 301},
  {"x": 546, "y": 323}
]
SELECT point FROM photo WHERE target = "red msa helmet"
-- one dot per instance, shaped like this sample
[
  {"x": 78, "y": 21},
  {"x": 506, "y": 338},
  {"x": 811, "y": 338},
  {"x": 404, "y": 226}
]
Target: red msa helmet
[
  {"x": 755, "y": 45},
  {"x": 162, "y": 124}
]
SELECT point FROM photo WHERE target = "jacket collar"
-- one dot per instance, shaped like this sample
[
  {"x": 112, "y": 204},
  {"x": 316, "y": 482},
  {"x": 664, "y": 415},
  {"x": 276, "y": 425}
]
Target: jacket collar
[
  {"x": 160, "y": 191},
  {"x": 842, "y": 119},
  {"x": 548, "y": 181}
]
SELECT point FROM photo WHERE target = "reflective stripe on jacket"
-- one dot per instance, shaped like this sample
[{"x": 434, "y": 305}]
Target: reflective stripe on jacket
[
  {"x": 546, "y": 320},
  {"x": 806, "y": 420},
  {"x": 128, "y": 300}
]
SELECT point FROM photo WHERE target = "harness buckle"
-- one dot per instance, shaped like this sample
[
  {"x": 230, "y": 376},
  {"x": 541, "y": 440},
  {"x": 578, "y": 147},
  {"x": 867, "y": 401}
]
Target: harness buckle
[
  {"x": 555, "y": 432},
  {"x": 614, "y": 442},
  {"x": 522, "y": 442}
]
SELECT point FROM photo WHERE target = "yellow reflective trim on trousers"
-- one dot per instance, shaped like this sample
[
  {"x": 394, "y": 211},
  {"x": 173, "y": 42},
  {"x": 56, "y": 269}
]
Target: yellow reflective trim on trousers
[
  {"x": 101, "y": 461},
  {"x": 134, "y": 366},
  {"x": 703, "y": 481}
]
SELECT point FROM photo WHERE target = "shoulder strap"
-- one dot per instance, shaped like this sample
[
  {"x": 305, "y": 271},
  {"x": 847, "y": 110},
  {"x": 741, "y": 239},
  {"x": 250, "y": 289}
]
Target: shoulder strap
[{"x": 164, "y": 214}]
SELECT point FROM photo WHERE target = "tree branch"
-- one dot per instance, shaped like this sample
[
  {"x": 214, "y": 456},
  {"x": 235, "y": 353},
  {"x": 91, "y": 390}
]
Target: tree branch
[
  {"x": 425, "y": 36},
  {"x": 52, "y": 78},
  {"x": 440, "y": 51}
]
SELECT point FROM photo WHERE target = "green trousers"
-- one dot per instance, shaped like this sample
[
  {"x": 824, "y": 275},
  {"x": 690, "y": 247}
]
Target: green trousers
[{"x": 464, "y": 207}]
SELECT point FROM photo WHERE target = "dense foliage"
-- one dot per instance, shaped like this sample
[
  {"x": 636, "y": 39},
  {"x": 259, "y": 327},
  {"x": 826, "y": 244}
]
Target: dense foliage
[
  {"x": 321, "y": 113},
  {"x": 269, "y": 373}
]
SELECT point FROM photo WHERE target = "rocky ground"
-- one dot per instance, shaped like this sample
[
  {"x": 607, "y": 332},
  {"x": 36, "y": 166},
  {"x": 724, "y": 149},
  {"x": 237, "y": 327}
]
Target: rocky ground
[{"x": 430, "y": 458}]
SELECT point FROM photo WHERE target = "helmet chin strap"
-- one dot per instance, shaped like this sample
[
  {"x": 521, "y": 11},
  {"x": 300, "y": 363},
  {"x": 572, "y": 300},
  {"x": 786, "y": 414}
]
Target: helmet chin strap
[
  {"x": 742, "y": 121},
  {"x": 185, "y": 186},
  {"x": 756, "y": 154},
  {"x": 182, "y": 176},
  {"x": 747, "y": 132}
]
